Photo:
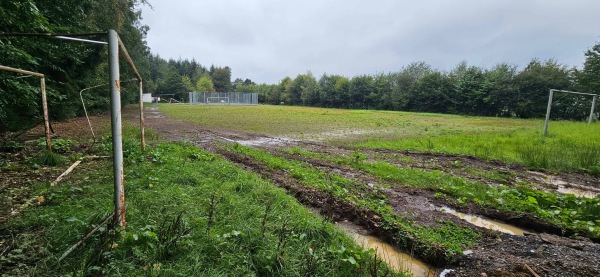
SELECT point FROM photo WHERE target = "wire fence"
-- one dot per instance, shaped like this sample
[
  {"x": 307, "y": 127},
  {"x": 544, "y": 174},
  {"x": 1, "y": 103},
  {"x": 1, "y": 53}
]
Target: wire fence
[{"x": 223, "y": 98}]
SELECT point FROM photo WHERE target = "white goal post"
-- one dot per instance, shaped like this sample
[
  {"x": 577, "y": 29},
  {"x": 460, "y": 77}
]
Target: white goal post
[
  {"x": 210, "y": 100},
  {"x": 552, "y": 91}
]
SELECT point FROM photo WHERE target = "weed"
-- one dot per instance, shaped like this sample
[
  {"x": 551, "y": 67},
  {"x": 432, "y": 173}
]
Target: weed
[
  {"x": 374, "y": 266},
  {"x": 212, "y": 206},
  {"x": 263, "y": 225},
  {"x": 282, "y": 240},
  {"x": 358, "y": 157},
  {"x": 170, "y": 235},
  {"x": 48, "y": 158}
]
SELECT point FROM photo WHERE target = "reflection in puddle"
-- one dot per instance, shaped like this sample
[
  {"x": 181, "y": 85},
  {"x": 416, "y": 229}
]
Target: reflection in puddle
[
  {"x": 397, "y": 260},
  {"x": 486, "y": 223}
]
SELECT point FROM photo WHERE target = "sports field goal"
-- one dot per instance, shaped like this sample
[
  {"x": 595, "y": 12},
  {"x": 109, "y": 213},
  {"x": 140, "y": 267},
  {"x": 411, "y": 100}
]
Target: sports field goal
[
  {"x": 223, "y": 98},
  {"x": 550, "y": 97}
]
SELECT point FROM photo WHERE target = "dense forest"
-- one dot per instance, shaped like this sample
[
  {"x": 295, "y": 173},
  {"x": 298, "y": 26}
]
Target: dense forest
[{"x": 503, "y": 90}]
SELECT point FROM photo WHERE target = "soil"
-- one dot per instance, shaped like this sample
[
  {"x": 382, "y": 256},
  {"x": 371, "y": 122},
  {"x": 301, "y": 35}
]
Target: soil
[{"x": 545, "y": 251}]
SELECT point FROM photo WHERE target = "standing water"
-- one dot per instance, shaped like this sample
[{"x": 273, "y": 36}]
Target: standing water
[
  {"x": 486, "y": 223},
  {"x": 397, "y": 260}
]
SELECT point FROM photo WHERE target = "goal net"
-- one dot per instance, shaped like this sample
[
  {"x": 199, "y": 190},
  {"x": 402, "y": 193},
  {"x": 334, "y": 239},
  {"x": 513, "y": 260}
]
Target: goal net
[
  {"x": 217, "y": 100},
  {"x": 223, "y": 98}
]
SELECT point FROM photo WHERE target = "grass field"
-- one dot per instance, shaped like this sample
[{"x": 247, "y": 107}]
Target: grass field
[
  {"x": 190, "y": 213},
  {"x": 233, "y": 210},
  {"x": 570, "y": 146}
]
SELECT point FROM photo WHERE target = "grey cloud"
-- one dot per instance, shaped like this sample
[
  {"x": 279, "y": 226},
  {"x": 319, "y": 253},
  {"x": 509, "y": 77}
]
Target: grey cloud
[{"x": 266, "y": 40}]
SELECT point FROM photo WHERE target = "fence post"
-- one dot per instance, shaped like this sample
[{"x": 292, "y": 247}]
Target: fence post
[{"x": 117, "y": 136}]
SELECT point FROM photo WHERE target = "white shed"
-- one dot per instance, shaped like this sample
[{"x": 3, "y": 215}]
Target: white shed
[{"x": 147, "y": 97}]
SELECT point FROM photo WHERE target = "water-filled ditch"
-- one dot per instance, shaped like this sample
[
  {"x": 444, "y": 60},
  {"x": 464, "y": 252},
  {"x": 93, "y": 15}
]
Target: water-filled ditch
[{"x": 396, "y": 259}]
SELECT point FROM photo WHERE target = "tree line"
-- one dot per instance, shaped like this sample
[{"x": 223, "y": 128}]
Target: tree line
[
  {"x": 502, "y": 90},
  {"x": 175, "y": 78}
]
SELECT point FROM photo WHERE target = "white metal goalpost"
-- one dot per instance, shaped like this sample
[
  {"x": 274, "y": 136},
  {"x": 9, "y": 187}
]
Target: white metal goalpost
[{"x": 552, "y": 91}]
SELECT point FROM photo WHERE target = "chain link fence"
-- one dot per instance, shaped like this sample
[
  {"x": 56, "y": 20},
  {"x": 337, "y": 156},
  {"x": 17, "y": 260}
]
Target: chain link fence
[{"x": 223, "y": 98}]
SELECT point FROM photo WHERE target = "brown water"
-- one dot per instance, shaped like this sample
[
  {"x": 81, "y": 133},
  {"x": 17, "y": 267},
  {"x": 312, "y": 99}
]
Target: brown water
[
  {"x": 486, "y": 223},
  {"x": 567, "y": 188},
  {"x": 577, "y": 192},
  {"x": 397, "y": 260}
]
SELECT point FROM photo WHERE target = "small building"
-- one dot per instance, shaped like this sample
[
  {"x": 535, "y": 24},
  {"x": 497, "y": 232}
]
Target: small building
[{"x": 147, "y": 97}]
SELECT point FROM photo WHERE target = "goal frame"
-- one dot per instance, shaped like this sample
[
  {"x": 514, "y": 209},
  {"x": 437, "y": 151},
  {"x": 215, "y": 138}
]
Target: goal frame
[{"x": 552, "y": 91}]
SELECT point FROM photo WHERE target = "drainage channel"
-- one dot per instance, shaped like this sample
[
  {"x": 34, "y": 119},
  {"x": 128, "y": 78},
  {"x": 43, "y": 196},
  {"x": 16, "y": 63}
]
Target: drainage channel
[
  {"x": 397, "y": 260},
  {"x": 485, "y": 223}
]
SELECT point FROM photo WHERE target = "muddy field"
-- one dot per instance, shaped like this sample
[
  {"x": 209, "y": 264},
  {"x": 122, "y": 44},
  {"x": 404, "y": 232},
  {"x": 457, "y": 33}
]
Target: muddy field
[{"x": 526, "y": 246}]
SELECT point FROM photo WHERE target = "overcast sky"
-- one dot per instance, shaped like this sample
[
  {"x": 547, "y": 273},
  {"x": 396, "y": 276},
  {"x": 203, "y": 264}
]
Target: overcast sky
[{"x": 266, "y": 40}]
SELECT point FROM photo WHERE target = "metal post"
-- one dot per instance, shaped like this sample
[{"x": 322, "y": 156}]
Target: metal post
[
  {"x": 117, "y": 137},
  {"x": 143, "y": 140},
  {"x": 592, "y": 110},
  {"x": 548, "y": 112},
  {"x": 45, "y": 108}
]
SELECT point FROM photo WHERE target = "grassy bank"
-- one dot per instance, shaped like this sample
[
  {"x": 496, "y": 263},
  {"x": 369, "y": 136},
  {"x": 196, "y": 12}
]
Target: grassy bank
[
  {"x": 571, "y": 146},
  {"x": 189, "y": 213}
]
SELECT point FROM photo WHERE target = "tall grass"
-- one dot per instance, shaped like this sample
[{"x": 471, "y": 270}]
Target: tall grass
[{"x": 570, "y": 146}]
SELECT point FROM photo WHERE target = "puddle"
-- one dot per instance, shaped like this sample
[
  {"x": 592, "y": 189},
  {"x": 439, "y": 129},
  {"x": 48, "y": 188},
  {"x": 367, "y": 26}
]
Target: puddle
[
  {"x": 567, "y": 188},
  {"x": 577, "y": 192},
  {"x": 486, "y": 223},
  {"x": 343, "y": 133},
  {"x": 266, "y": 141},
  {"x": 397, "y": 260}
]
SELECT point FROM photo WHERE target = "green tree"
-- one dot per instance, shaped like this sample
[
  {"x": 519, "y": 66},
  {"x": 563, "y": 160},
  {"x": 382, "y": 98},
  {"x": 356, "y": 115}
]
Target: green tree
[
  {"x": 360, "y": 89},
  {"x": 500, "y": 89},
  {"x": 68, "y": 66},
  {"x": 187, "y": 83},
  {"x": 431, "y": 93},
  {"x": 285, "y": 87},
  {"x": 588, "y": 79},
  {"x": 534, "y": 83},
  {"x": 205, "y": 84},
  {"x": 221, "y": 78},
  {"x": 467, "y": 95},
  {"x": 307, "y": 86},
  {"x": 404, "y": 83}
]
